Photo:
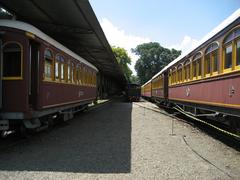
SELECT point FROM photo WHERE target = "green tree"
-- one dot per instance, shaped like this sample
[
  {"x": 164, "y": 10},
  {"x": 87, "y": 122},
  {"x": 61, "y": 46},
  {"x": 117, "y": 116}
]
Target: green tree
[
  {"x": 152, "y": 58},
  {"x": 134, "y": 79},
  {"x": 124, "y": 60}
]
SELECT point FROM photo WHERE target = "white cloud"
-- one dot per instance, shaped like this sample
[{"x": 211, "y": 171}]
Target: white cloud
[
  {"x": 118, "y": 37},
  {"x": 186, "y": 44}
]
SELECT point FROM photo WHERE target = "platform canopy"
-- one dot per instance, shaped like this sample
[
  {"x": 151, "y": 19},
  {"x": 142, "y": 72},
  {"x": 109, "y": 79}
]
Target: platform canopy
[{"x": 73, "y": 23}]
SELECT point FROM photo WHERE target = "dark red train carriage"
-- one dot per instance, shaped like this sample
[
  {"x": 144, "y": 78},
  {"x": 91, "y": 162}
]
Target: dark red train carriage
[
  {"x": 40, "y": 78},
  {"x": 206, "y": 79}
]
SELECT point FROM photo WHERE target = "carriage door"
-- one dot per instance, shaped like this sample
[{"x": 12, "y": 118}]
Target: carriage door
[{"x": 33, "y": 74}]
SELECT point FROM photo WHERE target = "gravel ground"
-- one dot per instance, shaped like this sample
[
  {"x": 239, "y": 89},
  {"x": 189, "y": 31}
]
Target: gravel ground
[{"x": 120, "y": 141}]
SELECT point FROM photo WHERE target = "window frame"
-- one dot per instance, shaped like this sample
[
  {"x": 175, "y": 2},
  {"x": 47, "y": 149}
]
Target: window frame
[
  {"x": 187, "y": 70},
  {"x": 194, "y": 64},
  {"x": 237, "y": 67},
  {"x": 174, "y": 75},
  {"x": 61, "y": 67},
  {"x": 21, "y": 74},
  {"x": 170, "y": 77},
  {"x": 213, "y": 62},
  {"x": 233, "y": 43},
  {"x": 207, "y": 65},
  {"x": 226, "y": 70},
  {"x": 198, "y": 57},
  {"x": 52, "y": 65},
  {"x": 180, "y": 70}
]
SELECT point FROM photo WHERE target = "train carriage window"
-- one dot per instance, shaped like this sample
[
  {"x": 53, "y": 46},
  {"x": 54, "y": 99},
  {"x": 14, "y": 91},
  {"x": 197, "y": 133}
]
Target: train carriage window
[
  {"x": 89, "y": 78},
  {"x": 197, "y": 62},
  {"x": 215, "y": 61},
  {"x": 231, "y": 49},
  {"x": 12, "y": 61},
  {"x": 83, "y": 76},
  {"x": 174, "y": 75},
  {"x": 194, "y": 70},
  {"x": 59, "y": 68},
  {"x": 69, "y": 72},
  {"x": 207, "y": 65},
  {"x": 170, "y": 80},
  {"x": 78, "y": 74},
  {"x": 93, "y": 74},
  {"x": 187, "y": 70},
  {"x": 94, "y": 79},
  {"x": 228, "y": 57},
  {"x": 238, "y": 53},
  {"x": 72, "y": 73},
  {"x": 199, "y": 68},
  {"x": 180, "y": 73},
  {"x": 48, "y": 64},
  {"x": 62, "y": 72}
]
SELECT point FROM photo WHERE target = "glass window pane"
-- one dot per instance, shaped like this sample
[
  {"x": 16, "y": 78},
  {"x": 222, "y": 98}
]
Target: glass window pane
[
  {"x": 229, "y": 38},
  {"x": 56, "y": 71},
  {"x": 62, "y": 72},
  {"x": 12, "y": 60},
  {"x": 228, "y": 57},
  {"x": 207, "y": 64},
  {"x": 238, "y": 53},
  {"x": 215, "y": 61},
  {"x": 48, "y": 68},
  {"x": 237, "y": 33},
  {"x": 199, "y": 64},
  {"x": 68, "y": 72},
  {"x": 194, "y": 68},
  {"x": 48, "y": 54}
]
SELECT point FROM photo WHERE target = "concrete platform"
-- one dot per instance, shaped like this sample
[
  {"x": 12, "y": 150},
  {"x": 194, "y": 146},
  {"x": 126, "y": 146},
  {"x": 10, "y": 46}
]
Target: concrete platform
[{"x": 121, "y": 141}]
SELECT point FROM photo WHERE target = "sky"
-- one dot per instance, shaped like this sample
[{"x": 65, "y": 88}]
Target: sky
[{"x": 178, "y": 24}]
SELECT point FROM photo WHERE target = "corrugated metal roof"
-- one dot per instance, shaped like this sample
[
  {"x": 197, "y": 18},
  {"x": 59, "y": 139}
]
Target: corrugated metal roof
[
  {"x": 73, "y": 24},
  {"x": 29, "y": 28}
]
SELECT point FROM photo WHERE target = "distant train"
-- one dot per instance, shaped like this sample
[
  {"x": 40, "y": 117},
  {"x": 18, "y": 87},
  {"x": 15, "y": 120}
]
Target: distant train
[
  {"x": 205, "y": 80},
  {"x": 40, "y": 79},
  {"x": 133, "y": 92}
]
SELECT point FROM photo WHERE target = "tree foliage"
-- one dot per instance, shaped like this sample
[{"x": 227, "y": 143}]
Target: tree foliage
[
  {"x": 152, "y": 58},
  {"x": 124, "y": 60},
  {"x": 134, "y": 79}
]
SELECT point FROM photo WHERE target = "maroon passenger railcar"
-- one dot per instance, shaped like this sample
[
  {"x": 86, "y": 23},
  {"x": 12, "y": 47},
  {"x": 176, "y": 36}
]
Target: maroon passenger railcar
[
  {"x": 205, "y": 81},
  {"x": 40, "y": 78},
  {"x": 209, "y": 76}
]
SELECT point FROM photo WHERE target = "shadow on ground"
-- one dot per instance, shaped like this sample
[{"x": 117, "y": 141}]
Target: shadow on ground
[{"x": 98, "y": 141}]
